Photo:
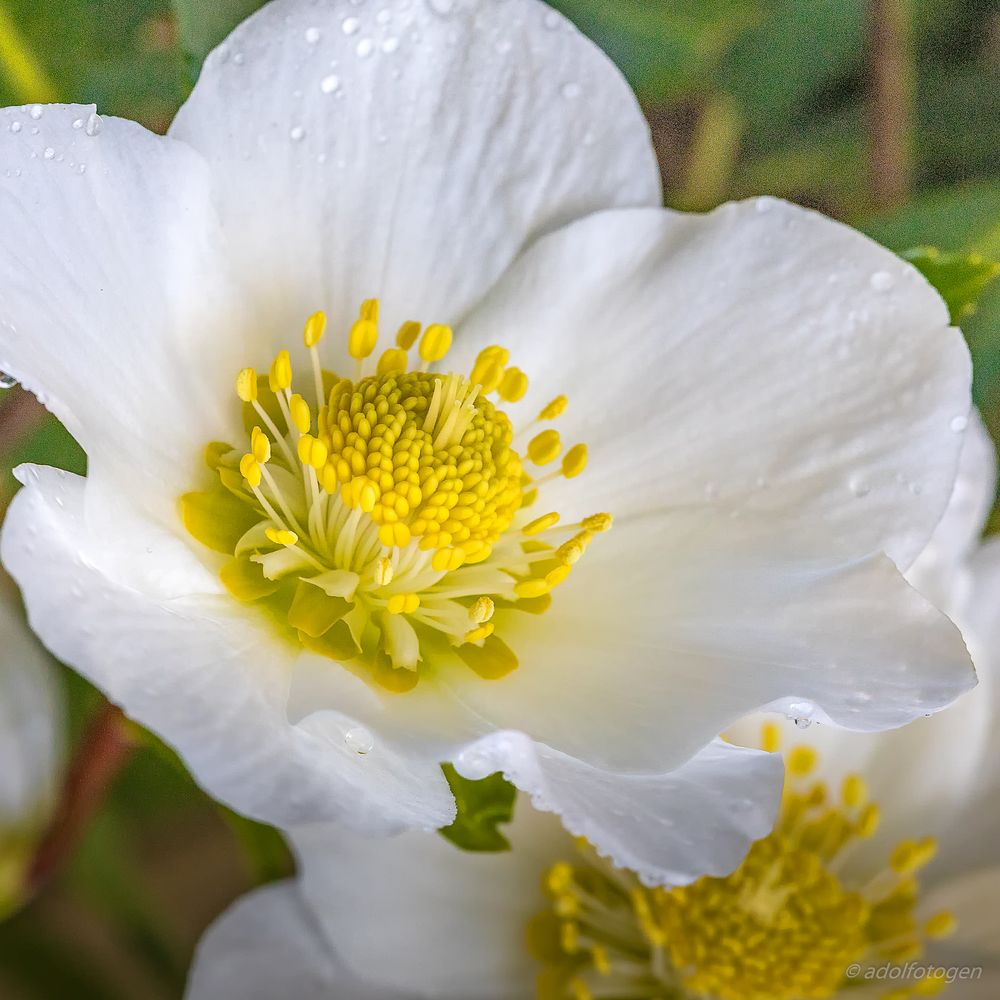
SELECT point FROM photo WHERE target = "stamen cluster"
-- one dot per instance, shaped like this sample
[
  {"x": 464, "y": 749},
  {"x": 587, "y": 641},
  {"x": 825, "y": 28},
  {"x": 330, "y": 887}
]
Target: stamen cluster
[{"x": 383, "y": 524}]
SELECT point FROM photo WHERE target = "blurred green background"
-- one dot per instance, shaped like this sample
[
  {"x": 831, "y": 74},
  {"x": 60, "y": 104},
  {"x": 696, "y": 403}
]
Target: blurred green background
[{"x": 760, "y": 96}]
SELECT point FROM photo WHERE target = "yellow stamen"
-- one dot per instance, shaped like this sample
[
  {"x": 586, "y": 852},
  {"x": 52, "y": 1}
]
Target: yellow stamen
[
  {"x": 545, "y": 447},
  {"x": 542, "y": 523},
  {"x": 314, "y": 329},
  {"x": 574, "y": 461},
  {"x": 554, "y": 409},
  {"x": 393, "y": 360},
  {"x": 435, "y": 343},
  {"x": 280, "y": 375},
  {"x": 281, "y": 536},
  {"x": 362, "y": 339},
  {"x": 301, "y": 414},
  {"x": 513, "y": 385},
  {"x": 246, "y": 385},
  {"x": 407, "y": 335}
]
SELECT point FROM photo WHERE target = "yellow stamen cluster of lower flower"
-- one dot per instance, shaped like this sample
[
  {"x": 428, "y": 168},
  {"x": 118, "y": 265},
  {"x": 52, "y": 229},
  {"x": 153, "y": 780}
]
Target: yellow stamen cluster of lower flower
[
  {"x": 385, "y": 522},
  {"x": 784, "y": 926}
]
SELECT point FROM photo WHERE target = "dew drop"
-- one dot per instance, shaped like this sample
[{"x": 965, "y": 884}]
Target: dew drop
[
  {"x": 49, "y": 153},
  {"x": 384, "y": 16},
  {"x": 802, "y": 723},
  {"x": 552, "y": 20},
  {"x": 312, "y": 35},
  {"x": 859, "y": 487},
  {"x": 329, "y": 83},
  {"x": 390, "y": 45},
  {"x": 15, "y": 127},
  {"x": 958, "y": 424},
  {"x": 350, "y": 26},
  {"x": 359, "y": 740},
  {"x": 442, "y": 6},
  {"x": 365, "y": 48},
  {"x": 882, "y": 281},
  {"x": 7, "y": 381},
  {"x": 78, "y": 123},
  {"x": 35, "y": 111},
  {"x": 93, "y": 125},
  {"x": 571, "y": 90},
  {"x": 297, "y": 133},
  {"x": 239, "y": 59}
]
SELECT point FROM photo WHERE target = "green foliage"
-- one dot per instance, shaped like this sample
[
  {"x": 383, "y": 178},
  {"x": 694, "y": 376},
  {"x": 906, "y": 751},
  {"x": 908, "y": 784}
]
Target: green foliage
[
  {"x": 201, "y": 25},
  {"x": 482, "y": 807},
  {"x": 960, "y": 278}
]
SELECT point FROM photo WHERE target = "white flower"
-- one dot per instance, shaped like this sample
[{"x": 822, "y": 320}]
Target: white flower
[
  {"x": 773, "y": 407},
  {"x": 848, "y": 883},
  {"x": 30, "y": 748}
]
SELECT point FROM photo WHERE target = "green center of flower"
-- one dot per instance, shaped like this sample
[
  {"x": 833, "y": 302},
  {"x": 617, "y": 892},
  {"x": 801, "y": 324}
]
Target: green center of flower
[
  {"x": 383, "y": 519},
  {"x": 786, "y": 925}
]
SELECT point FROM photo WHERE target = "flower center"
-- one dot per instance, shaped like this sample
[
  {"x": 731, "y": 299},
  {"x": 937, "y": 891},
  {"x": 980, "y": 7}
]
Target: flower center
[
  {"x": 383, "y": 519},
  {"x": 786, "y": 924}
]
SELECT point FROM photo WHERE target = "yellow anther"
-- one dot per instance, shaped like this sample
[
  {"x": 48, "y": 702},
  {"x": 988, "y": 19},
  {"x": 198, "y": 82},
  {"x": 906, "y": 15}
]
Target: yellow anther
[
  {"x": 854, "y": 791},
  {"x": 904, "y": 857},
  {"x": 403, "y": 604},
  {"x": 531, "y": 588},
  {"x": 407, "y": 335},
  {"x": 598, "y": 523},
  {"x": 246, "y": 385},
  {"x": 574, "y": 461},
  {"x": 480, "y": 633},
  {"x": 393, "y": 360},
  {"x": 554, "y": 409},
  {"x": 436, "y": 342},
  {"x": 280, "y": 375},
  {"x": 396, "y": 534},
  {"x": 312, "y": 451},
  {"x": 540, "y": 524},
  {"x": 545, "y": 447},
  {"x": 559, "y": 878},
  {"x": 801, "y": 761},
  {"x": 581, "y": 991},
  {"x": 941, "y": 925},
  {"x": 570, "y": 552},
  {"x": 315, "y": 328},
  {"x": 481, "y": 611},
  {"x": 281, "y": 537},
  {"x": 513, "y": 385},
  {"x": 770, "y": 737},
  {"x": 301, "y": 414},
  {"x": 487, "y": 373},
  {"x": 446, "y": 560},
  {"x": 602, "y": 962},
  {"x": 868, "y": 822},
  {"x": 250, "y": 470},
  {"x": 370, "y": 310},
  {"x": 362, "y": 339},
  {"x": 556, "y": 576},
  {"x": 384, "y": 572},
  {"x": 260, "y": 446},
  {"x": 361, "y": 493}
]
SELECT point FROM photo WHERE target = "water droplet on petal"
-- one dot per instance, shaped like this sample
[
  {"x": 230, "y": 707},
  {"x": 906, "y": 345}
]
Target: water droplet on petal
[
  {"x": 239, "y": 59},
  {"x": 365, "y": 48},
  {"x": 312, "y": 35},
  {"x": 359, "y": 740},
  {"x": 329, "y": 83},
  {"x": 93, "y": 124},
  {"x": 882, "y": 281},
  {"x": 78, "y": 123},
  {"x": 297, "y": 133},
  {"x": 552, "y": 20},
  {"x": 390, "y": 45},
  {"x": 571, "y": 90},
  {"x": 350, "y": 25},
  {"x": 35, "y": 111},
  {"x": 49, "y": 153},
  {"x": 859, "y": 487},
  {"x": 7, "y": 381},
  {"x": 802, "y": 723},
  {"x": 442, "y": 6},
  {"x": 15, "y": 127},
  {"x": 958, "y": 424}
]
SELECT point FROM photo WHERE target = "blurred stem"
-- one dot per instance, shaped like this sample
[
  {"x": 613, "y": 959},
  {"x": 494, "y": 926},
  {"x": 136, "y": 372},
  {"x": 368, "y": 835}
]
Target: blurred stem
[
  {"x": 103, "y": 750},
  {"x": 712, "y": 157},
  {"x": 28, "y": 78},
  {"x": 891, "y": 104}
]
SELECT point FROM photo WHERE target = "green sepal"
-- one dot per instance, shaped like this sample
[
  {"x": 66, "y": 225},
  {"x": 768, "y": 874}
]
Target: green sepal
[
  {"x": 960, "y": 278},
  {"x": 217, "y": 519},
  {"x": 482, "y": 807},
  {"x": 315, "y": 613},
  {"x": 491, "y": 661},
  {"x": 245, "y": 580},
  {"x": 337, "y": 643}
]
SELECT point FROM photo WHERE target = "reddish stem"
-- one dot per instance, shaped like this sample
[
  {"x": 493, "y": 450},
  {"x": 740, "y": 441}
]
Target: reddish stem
[{"x": 103, "y": 750}]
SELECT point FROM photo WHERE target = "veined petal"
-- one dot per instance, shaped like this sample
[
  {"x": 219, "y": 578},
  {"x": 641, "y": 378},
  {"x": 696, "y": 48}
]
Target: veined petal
[
  {"x": 690, "y": 619},
  {"x": 760, "y": 356},
  {"x": 209, "y": 678},
  {"x": 407, "y": 150},
  {"x": 114, "y": 295},
  {"x": 670, "y": 829},
  {"x": 269, "y": 944},
  {"x": 451, "y": 924}
]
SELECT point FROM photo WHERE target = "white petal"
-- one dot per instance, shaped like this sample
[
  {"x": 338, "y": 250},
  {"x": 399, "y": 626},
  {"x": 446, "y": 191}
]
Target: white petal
[
  {"x": 267, "y": 945},
  {"x": 941, "y": 572},
  {"x": 670, "y": 829},
  {"x": 407, "y": 149},
  {"x": 973, "y": 900},
  {"x": 770, "y": 359},
  {"x": 31, "y": 719},
  {"x": 674, "y": 626},
  {"x": 115, "y": 306},
  {"x": 414, "y": 911},
  {"x": 208, "y": 677}
]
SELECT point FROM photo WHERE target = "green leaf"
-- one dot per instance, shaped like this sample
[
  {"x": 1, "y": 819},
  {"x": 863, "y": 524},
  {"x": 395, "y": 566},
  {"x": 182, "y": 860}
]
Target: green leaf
[
  {"x": 203, "y": 25},
  {"x": 665, "y": 50},
  {"x": 960, "y": 278},
  {"x": 482, "y": 807}
]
